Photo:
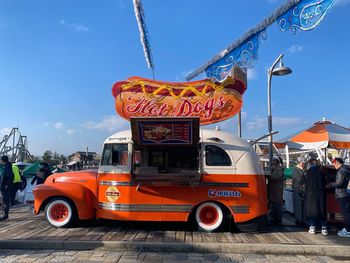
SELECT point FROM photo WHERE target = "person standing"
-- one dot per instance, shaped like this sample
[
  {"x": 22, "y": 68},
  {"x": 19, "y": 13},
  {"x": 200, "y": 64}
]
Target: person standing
[
  {"x": 46, "y": 169},
  {"x": 6, "y": 185},
  {"x": 315, "y": 198},
  {"x": 17, "y": 183},
  {"x": 298, "y": 203},
  {"x": 41, "y": 175},
  {"x": 275, "y": 190},
  {"x": 341, "y": 181}
]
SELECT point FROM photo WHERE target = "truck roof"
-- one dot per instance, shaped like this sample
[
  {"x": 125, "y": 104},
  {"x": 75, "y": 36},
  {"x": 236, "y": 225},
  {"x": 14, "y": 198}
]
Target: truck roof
[{"x": 206, "y": 135}]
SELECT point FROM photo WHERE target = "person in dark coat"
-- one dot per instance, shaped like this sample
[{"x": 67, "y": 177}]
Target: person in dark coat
[
  {"x": 298, "y": 203},
  {"x": 41, "y": 174},
  {"x": 6, "y": 185},
  {"x": 275, "y": 190},
  {"x": 341, "y": 182},
  {"x": 315, "y": 197}
]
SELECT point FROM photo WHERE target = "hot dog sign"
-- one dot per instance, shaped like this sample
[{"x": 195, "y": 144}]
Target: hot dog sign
[{"x": 211, "y": 101}]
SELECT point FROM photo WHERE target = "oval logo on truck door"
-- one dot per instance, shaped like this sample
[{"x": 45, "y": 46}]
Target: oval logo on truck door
[{"x": 112, "y": 194}]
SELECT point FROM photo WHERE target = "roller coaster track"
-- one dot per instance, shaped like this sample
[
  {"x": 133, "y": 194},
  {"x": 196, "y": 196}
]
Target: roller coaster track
[{"x": 15, "y": 146}]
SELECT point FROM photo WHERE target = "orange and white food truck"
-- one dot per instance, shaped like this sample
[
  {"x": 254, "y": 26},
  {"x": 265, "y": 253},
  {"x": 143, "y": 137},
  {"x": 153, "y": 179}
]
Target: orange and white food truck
[{"x": 163, "y": 169}]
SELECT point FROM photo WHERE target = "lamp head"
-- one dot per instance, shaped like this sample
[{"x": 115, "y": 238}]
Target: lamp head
[{"x": 281, "y": 70}]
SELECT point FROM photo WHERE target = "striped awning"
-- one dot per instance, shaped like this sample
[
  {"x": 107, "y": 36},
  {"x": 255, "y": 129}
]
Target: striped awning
[{"x": 321, "y": 135}]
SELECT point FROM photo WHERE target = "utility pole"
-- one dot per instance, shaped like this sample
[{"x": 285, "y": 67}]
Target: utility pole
[{"x": 238, "y": 73}]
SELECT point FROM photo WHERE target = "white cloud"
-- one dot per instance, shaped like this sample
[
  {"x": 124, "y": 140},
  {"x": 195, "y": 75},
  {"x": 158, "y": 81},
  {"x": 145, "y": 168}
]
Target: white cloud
[
  {"x": 261, "y": 122},
  {"x": 286, "y": 121},
  {"x": 46, "y": 124},
  {"x": 71, "y": 131},
  {"x": 244, "y": 115},
  {"x": 58, "y": 125},
  {"x": 110, "y": 123},
  {"x": 252, "y": 74},
  {"x": 4, "y": 131},
  {"x": 295, "y": 49},
  {"x": 74, "y": 27},
  {"x": 80, "y": 28},
  {"x": 341, "y": 2},
  {"x": 257, "y": 124}
]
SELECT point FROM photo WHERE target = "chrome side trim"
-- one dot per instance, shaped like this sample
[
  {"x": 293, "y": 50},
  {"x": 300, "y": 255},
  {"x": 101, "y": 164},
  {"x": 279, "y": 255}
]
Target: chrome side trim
[
  {"x": 206, "y": 184},
  {"x": 240, "y": 209},
  {"x": 236, "y": 185},
  {"x": 115, "y": 183},
  {"x": 127, "y": 171},
  {"x": 145, "y": 207}
]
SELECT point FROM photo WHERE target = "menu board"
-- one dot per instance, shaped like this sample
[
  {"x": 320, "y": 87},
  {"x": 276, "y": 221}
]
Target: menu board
[{"x": 177, "y": 132}]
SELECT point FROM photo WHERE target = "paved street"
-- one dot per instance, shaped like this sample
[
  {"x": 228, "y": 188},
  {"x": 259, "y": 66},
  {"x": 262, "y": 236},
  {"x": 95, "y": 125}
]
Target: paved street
[{"x": 131, "y": 256}]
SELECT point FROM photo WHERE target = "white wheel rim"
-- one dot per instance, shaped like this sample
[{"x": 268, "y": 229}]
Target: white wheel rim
[
  {"x": 54, "y": 219},
  {"x": 209, "y": 216}
]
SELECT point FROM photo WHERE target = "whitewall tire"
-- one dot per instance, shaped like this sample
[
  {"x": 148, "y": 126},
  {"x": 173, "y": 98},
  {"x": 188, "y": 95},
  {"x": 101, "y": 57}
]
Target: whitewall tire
[
  {"x": 209, "y": 217},
  {"x": 59, "y": 212}
]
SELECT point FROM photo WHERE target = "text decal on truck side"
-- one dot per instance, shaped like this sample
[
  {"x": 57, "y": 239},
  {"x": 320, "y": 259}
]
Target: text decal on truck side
[{"x": 223, "y": 193}]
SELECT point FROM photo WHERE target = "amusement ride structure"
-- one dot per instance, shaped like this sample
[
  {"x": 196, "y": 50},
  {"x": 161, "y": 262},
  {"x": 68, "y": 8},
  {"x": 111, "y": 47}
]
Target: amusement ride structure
[{"x": 15, "y": 145}]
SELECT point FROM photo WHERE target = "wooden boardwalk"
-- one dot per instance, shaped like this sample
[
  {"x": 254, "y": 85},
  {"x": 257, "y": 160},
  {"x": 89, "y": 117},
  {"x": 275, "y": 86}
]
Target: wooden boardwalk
[{"x": 23, "y": 225}]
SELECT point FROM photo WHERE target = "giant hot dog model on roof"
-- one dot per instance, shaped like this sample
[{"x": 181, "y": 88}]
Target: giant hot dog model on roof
[{"x": 211, "y": 101}]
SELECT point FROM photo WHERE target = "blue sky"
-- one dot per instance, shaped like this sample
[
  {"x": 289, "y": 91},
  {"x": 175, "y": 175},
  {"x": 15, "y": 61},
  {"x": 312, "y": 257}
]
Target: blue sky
[{"x": 59, "y": 60}]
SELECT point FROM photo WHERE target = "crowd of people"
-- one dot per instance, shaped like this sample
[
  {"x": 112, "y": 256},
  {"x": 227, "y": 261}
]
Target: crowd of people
[
  {"x": 12, "y": 181},
  {"x": 310, "y": 191}
]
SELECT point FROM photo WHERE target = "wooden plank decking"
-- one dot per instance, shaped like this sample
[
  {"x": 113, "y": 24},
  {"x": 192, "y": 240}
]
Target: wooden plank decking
[{"x": 23, "y": 225}]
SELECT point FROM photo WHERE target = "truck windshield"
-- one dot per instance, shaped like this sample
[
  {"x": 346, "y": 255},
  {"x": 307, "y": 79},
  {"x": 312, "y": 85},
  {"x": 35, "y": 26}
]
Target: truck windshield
[{"x": 115, "y": 154}]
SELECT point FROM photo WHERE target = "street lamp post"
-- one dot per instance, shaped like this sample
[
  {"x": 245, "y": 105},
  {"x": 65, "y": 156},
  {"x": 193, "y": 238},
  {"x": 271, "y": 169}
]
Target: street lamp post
[{"x": 276, "y": 71}]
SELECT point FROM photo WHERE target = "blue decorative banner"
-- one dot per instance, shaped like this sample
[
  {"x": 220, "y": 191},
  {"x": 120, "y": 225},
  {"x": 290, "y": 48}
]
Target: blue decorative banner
[
  {"x": 293, "y": 14},
  {"x": 306, "y": 15},
  {"x": 244, "y": 56}
]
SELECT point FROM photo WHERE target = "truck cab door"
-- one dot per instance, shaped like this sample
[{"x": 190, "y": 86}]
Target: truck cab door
[
  {"x": 114, "y": 182},
  {"x": 145, "y": 201}
]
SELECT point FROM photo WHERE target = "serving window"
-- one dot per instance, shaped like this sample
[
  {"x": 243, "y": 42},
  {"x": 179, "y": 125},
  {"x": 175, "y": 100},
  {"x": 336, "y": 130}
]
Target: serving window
[
  {"x": 162, "y": 163},
  {"x": 165, "y": 148}
]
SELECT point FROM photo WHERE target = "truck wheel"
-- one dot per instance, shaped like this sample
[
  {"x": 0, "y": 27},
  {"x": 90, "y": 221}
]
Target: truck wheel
[
  {"x": 209, "y": 217},
  {"x": 60, "y": 212}
]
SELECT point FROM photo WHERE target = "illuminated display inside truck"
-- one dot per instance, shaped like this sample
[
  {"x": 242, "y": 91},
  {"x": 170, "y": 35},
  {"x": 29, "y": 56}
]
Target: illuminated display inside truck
[{"x": 179, "y": 132}]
